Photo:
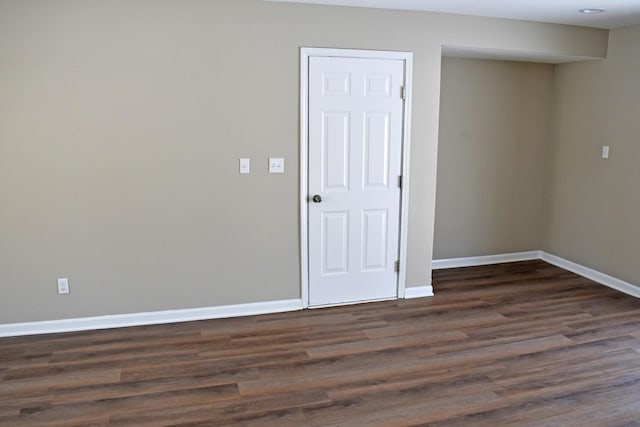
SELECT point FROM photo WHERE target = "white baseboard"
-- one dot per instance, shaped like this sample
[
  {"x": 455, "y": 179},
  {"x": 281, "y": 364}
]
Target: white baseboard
[
  {"x": 150, "y": 318},
  {"x": 596, "y": 276},
  {"x": 418, "y": 292},
  {"x": 439, "y": 264},
  {"x": 589, "y": 273},
  {"x": 205, "y": 313}
]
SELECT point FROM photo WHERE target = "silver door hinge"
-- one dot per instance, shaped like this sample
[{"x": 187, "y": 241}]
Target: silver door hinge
[
  {"x": 403, "y": 93},
  {"x": 397, "y": 266},
  {"x": 399, "y": 181}
]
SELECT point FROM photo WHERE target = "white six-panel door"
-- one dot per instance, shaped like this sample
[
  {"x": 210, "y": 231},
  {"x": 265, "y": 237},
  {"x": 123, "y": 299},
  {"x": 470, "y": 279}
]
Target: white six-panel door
[{"x": 355, "y": 124}]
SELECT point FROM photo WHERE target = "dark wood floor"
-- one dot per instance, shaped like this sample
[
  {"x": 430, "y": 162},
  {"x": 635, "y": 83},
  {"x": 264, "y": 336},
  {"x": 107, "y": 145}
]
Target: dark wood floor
[{"x": 512, "y": 344}]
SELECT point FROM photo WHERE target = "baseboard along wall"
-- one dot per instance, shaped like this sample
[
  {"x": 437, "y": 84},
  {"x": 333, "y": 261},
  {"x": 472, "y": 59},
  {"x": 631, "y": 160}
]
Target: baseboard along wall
[
  {"x": 237, "y": 310},
  {"x": 589, "y": 273},
  {"x": 418, "y": 292},
  {"x": 150, "y": 318},
  {"x": 439, "y": 264}
]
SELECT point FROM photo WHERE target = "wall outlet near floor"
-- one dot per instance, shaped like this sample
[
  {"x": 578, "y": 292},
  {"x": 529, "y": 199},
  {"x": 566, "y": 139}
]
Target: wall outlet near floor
[{"x": 63, "y": 286}]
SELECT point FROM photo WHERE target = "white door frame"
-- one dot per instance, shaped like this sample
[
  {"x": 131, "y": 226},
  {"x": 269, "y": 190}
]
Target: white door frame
[{"x": 305, "y": 53}]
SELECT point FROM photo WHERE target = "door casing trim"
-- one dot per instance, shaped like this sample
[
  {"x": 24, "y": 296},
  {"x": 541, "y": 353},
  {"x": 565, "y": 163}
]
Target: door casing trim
[{"x": 305, "y": 53}]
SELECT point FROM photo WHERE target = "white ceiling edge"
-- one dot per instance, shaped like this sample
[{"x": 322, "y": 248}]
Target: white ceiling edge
[
  {"x": 618, "y": 13},
  {"x": 510, "y": 55}
]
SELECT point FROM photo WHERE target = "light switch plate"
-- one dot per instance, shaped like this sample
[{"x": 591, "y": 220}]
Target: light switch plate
[
  {"x": 245, "y": 165},
  {"x": 276, "y": 165},
  {"x": 63, "y": 286},
  {"x": 605, "y": 151}
]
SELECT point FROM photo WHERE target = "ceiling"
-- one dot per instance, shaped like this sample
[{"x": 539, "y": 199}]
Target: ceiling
[{"x": 618, "y": 13}]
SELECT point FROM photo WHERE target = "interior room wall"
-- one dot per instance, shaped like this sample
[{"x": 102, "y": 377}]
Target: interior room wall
[
  {"x": 594, "y": 203},
  {"x": 121, "y": 125},
  {"x": 492, "y": 156}
]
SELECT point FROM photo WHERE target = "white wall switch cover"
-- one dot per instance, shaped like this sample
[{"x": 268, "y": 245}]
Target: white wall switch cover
[
  {"x": 605, "y": 151},
  {"x": 245, "y": 165},
  {"x": 63, "y": 286},
  {"x": 276, "y": 165}
]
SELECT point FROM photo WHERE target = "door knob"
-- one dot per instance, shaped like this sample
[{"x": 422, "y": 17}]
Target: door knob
[{"x": 317, "y": 198}]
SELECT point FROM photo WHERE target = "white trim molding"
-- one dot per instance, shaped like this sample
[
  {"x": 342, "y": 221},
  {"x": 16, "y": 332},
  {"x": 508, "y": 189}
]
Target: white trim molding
[
  {"x": 439, "y": 264},
  {"x": 418, "y": 292},
  {"x": 251, "y": 309},
  {"x": 149, "y": 318},
  {"x": 589, "y": 273}
]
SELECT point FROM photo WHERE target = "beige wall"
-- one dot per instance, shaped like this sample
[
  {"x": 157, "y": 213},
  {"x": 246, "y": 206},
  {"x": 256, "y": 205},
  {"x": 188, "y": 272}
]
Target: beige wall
[
  {"x": 121, "y": 125},
  {"x": 593, "y": 211},
  {"x": 492, "y": 156}
]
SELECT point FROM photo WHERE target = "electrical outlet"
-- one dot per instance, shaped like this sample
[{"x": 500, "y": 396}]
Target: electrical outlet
[
  {"x": 605, "y": 151},
  {"x": 63, "y": 286},
  {"x": 276, "y": 165}
]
